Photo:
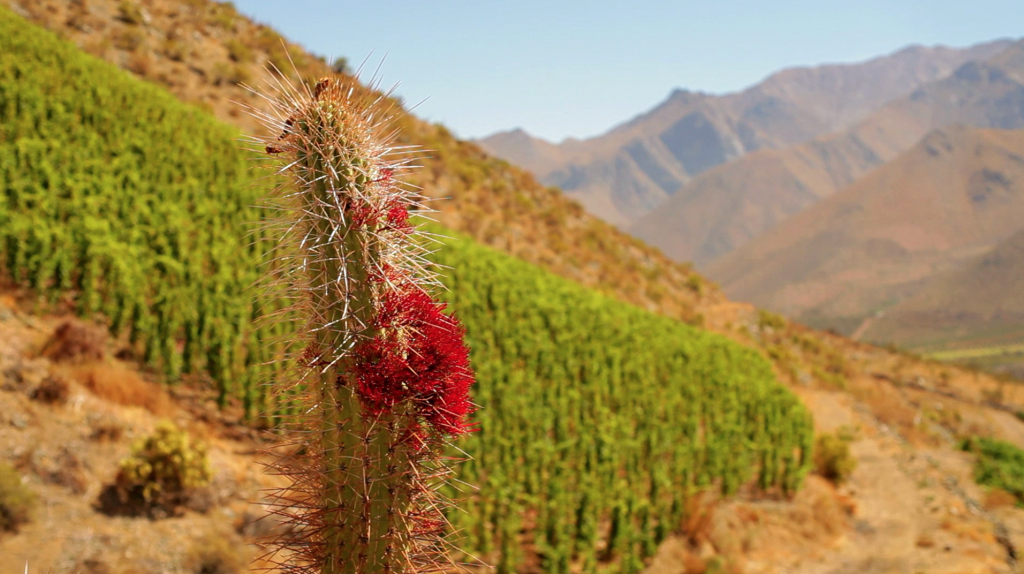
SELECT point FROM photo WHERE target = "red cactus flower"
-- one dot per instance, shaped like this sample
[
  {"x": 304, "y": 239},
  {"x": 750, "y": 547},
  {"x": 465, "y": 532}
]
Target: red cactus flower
[{"x": 419, "y": 354}]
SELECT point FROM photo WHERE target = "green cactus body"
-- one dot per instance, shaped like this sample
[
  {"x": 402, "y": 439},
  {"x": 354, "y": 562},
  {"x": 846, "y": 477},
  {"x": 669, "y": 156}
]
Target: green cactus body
[{"x": 384, "y": 374}]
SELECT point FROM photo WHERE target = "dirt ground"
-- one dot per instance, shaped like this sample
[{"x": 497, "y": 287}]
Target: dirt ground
[{"x": 909, "y": 506}]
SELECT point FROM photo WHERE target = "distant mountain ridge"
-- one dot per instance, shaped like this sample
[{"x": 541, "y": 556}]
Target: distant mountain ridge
[
  {"x": 726, "y": 207},
  {"x": 626, "y": 172}
]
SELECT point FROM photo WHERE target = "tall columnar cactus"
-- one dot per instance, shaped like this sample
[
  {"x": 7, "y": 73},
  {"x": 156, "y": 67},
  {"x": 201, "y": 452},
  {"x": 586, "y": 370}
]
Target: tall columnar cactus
[{"x": 385, "y": 376}]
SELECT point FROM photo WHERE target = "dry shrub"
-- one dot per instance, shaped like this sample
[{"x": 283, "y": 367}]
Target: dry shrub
[
  {"x": 999, "y": 498},
  {"x": 107, "y": 431},
  {"x": 163, "y": 473},
  {"x": 832, "y": 458},
  {"x": 74, "y": 341},
  {"x": 925, "y": 540},
  {"x": 700, "y": 513},
  {"x": 54, "y": 390},
  {"x": 140, "y": 63},
  {"x": 693, "y": 564},
  {"x": 218, "y": 554},
  {"x": 16, "y": 501},
  {"x": 830, "y": 514},
  {"x": 118, "y": 384}
]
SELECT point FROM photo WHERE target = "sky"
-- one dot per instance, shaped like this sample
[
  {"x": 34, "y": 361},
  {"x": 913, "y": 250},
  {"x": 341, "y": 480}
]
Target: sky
[{"x": 560, "y": 68}]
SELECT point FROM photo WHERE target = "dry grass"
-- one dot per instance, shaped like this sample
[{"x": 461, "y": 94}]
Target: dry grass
[
  {"x": 999, "y": 498},
  {"x": 54, "y": 390},
  {"x": 118, "y": 384},
  {"x": 75, "y": 341}
]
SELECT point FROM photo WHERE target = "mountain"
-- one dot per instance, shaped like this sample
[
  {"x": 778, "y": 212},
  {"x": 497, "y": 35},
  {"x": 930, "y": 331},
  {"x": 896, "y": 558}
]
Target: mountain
[
  {"x": 634, "y": 167},
  {"x": 876, "y": 242},
  {"x": 978, "y": 302},
  {"x": 725, "y": 207}
]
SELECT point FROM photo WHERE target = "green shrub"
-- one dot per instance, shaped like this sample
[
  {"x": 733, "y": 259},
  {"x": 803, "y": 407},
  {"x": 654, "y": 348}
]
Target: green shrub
[
  {"x": 999, "y": 464},
  {"x": 769, "y": 320},
  {"x": 832, "y": 458},
  {"x": 16, "y": 500},
  {"x": 165, "y": 468}
]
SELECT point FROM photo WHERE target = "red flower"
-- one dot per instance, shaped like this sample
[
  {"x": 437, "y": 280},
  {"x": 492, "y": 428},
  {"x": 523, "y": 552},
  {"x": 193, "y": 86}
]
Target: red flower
[{"x": 419, "y": 355}]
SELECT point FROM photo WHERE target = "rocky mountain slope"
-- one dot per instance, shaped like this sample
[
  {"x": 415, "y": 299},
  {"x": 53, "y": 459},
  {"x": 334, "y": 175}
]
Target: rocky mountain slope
[
  {"x": 876, "y": 242},
  {"x": 724, "y": 208},
  {"x": 977, "y": 302},
  {"x": 624, "y": 173}
]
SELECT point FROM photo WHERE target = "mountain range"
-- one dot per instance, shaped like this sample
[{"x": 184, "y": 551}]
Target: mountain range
[
  {"x": 626, "y": 172},
  {"x": 726, "y": 207}
]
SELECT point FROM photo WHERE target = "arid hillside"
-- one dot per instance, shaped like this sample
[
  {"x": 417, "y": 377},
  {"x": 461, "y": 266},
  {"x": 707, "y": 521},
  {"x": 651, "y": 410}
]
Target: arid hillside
[
  {"x": 200, "y": 50},
  {"x": 728, "y": 206},
  {"x": 909, "y": 504},
  {"x": 953, "y": 196},
  {"x": 626, "y": 172}
]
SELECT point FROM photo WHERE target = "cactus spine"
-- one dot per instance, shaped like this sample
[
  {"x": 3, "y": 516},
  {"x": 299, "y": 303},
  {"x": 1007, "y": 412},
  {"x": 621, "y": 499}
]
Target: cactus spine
[{"x": 385, "y": 375}]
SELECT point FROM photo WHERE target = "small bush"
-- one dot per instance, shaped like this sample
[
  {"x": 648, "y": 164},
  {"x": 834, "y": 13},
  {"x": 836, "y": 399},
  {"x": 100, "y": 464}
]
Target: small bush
[
  {"x": 16, "y": 501},
  {"x": 121, "y": 385},
  {"x": 832, "y": 458},
  {"x": 218, "y": 554},
  {"x": 130, "y": 13},
  {"x": 52, "y": 391},
  {"x": 999, "y": 465},
  {"x": 163, "y": 471},
  {"x": 767, "y": 319},
  {"x": 74, "y": 341},
  {"x": 238, "y": 51}
]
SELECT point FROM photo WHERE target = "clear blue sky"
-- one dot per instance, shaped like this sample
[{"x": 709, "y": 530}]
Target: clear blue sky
[{"x": 560, "y": 68}]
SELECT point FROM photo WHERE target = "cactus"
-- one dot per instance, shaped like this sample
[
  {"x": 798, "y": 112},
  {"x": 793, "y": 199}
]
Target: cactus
[{"x": 384, "y": 376}]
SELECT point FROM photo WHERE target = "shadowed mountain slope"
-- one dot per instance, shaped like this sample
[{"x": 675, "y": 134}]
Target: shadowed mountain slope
[{"x": 979, "y": 300}]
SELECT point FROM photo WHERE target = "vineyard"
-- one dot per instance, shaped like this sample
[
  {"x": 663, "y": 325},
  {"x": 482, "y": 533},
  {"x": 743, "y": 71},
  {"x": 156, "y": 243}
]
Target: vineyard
[{"x": 598, "y": 420}]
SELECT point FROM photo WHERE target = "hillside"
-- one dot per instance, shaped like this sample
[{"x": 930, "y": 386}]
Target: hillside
[
  {"x": 726, "y": 207},
  {"x": 976, "y": 304},
  {"x": 199, "y": 49},
  {"x": 876, "y": 242},
  {"x": 626, "y": 172},
  {"x": 156, "y": 250}
]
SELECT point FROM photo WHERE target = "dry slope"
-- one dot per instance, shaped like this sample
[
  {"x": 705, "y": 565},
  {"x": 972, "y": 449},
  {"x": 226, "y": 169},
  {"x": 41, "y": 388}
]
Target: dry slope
[
  {"x": 978, "y": 300},
  {"x": 199, "y": 50}
]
